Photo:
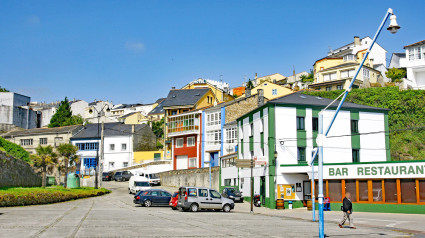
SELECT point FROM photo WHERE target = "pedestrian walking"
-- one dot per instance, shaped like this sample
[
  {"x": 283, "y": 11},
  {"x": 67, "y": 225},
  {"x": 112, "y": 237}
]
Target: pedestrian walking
[{"x": 347, "y": 208}]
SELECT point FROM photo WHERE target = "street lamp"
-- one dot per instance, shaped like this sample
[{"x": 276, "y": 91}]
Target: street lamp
[
  {"x": 99, "y": 114},
  {"x": 393, "y": 28},
  {"x": 275, "y": 157}
]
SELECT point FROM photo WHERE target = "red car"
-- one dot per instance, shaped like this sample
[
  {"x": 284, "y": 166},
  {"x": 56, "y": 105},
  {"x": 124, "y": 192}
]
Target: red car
[{"x": 173, "y": 201}]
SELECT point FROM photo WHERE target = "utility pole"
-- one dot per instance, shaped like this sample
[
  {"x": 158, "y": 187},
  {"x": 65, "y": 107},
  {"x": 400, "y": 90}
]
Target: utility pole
[
  {"x": 252, "y": 184},
  {"x": 102, "y": 151},
  {"x": 96, "y": 173}
]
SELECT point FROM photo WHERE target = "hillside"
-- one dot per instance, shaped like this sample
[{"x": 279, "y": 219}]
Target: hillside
[{"x": 407, "y": 142}]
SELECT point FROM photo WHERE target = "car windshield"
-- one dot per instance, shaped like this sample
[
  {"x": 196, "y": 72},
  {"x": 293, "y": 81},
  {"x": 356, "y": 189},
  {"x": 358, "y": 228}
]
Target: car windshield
[
  {"x": 118, "y": 173},
  {"x": 141, "y": 184},
  {"x": 175, "y": 194},
  {"x": 214, "y": 194},
  {"x": 105, "y": 174},
  {"x": 153, "y": 176},
  {"x": 233, "y": 190}
]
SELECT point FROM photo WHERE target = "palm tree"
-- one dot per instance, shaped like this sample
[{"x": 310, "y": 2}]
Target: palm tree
[
  {"x": 69, "y": 154},
  {"x": 45, "y": 158}
]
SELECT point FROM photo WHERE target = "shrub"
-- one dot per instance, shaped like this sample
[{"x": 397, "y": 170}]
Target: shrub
[
  {"x": 14, "y": 150},
  {"x": 35, "y": 196}
]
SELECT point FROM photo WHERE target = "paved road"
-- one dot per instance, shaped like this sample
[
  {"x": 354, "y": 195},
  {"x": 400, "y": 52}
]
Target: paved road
[{"x": 115, "y": 215}]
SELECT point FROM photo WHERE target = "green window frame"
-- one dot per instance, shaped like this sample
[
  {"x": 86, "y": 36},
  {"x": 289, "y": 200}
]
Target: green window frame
[
  {"x": 356, "y": 155},
  {"x": 301, "y": 154},
  {"x": 300, "y": 123},
  {"x": 354, "y": 126}
]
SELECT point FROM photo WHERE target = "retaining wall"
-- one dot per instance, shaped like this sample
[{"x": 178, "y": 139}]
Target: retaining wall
[
  {"x": 191, "y": 177},
  {"x": 17, "y": 173}
]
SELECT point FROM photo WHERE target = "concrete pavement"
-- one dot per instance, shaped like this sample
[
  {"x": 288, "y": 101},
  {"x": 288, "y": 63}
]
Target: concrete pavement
[{"x": 115, "y": 215}]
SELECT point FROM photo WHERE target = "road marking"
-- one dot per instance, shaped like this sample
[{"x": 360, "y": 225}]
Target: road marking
[
  {"x": 82, "y": 220},
  {"x": 54, "y": 222}
]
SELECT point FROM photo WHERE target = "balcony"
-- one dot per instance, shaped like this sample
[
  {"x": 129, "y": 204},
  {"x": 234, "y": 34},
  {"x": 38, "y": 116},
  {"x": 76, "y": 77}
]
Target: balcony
[{"x": 183, "y": 125}]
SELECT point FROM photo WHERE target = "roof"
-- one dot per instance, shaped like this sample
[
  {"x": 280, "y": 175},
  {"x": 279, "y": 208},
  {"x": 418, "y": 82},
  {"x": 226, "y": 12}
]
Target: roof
[
  {"x": 130, "y": 106},
  {"x": 183, "y": 97},
  {"x": 401, "y": 55},
  {"x": 42, "y": 131},
  {"x": 345, "y": 65},
  {"x": 327, "y": 57},
  {"x": 422, "y": 42},
  {"x": 110, "y": 129},
  {"x": 159, "y": 109},
  {"x": 129, "y": 114},
  {"x": 304, "y": 99},
  {"x": 223, "y": 104}
]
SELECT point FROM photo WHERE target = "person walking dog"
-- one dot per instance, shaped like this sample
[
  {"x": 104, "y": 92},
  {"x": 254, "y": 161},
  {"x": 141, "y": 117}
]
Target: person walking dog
[{"x": 347, "y": 208}]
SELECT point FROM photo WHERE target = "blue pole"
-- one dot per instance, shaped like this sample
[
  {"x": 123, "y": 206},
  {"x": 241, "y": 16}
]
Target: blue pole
[
  {"x": 320, "y": 135},
  {"x": 313, "y": 196}
]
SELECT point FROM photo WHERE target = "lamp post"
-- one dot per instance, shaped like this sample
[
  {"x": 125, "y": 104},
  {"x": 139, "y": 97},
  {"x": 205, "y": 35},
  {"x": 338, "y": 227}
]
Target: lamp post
[
  {"x": 99, "y": 114},
  {"x": 393, "y": 28}
]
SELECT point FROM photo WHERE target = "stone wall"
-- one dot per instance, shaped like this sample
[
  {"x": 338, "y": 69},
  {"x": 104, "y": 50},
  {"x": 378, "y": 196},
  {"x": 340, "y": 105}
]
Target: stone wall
[
  {"x": 17, "y": 173},
  {"x": 191, "y": 177},
  {"x": 241, "y": 107}
]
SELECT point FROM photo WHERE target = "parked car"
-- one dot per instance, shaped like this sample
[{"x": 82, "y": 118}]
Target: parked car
[
  {"x": 232, "y": 193},
  {"x": 152, "y": 178},
  {"x": 138, "y": 183},
  {"x": 107, "y": 176},
  {"x": 195, "y": 198},
  {"x": 122, "y": 176},
  {"x": 152, "y": 197},
  {"x": 173, "y": 201}
]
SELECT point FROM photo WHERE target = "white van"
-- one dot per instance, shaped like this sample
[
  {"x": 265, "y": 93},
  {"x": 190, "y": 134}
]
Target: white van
[
  {"x": 152, "y": 178},
  {"x": 138, "y": 183}
]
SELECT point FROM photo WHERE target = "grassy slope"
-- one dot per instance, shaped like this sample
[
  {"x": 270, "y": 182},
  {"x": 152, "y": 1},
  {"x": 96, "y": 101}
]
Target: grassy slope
[{"x": 407, "y": 112}]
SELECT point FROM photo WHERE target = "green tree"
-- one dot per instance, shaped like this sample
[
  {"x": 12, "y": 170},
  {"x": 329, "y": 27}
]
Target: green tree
[
  {"x": 396, "y": 75},
  {"x": 249, "y": 84},
  {"x": 64, "y": 117},
  {"x": 158, "y": 128},
  {"x": 3, "y": 90},
  {"x": 44, "y": 159},
  {"x": 308, "y": 78},
  {"x": 68, "y": 152}
]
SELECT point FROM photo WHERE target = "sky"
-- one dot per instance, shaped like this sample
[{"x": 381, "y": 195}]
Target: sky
[{"x": 135, "y": 51}]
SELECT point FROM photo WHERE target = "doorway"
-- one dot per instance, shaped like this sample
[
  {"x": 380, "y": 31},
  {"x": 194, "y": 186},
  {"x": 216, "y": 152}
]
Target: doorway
[{"x": 263, "y": 189}]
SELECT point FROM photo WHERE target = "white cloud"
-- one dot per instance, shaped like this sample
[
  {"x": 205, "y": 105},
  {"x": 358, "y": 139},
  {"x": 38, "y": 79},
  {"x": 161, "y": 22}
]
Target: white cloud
[
  {"x": 34, "y": 20},
  {"x": 135, "y": 46}
]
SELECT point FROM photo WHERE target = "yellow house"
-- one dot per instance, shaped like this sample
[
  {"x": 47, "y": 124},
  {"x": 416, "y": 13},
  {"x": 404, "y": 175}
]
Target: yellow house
[
  {"x": 336, "y": 73},
  {"x": 271, "y": 90},
  {"x": 145, "y": 156},
  {"x": 219, "y": 92},
  {"x": 273, "y": 78},
  {"x": 158, "y": 111},
  {"x": 134, "y": 118}
]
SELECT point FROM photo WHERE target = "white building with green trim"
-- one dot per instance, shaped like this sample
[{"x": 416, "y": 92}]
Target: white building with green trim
[{"x": 356, "y": 156}]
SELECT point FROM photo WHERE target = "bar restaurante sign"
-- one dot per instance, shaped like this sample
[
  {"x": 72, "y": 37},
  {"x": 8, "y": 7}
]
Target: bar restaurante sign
[{"x": 375, "y": 170}]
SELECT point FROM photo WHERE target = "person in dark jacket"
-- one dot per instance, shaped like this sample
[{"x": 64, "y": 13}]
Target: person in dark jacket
[{"x": 347, "y": 208}]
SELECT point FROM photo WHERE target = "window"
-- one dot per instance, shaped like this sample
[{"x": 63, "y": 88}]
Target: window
[
  {"x": 329, "y": 77},
  {"x": 335, "y": 190},
  {"x": 274, "y": 91},
  {"x": 321, "y": 68},
  {"x": 301, "y": 154},
  {"x": 408, "y": 190},
  {"x": 214, "y": 194},
  {"x": 165, "y": 194},
  {"x": 179, "y": 142},
  {"x": 252, "y": 154},
  {"x": 349, "y": 57},
  {"x": 203, "y": 192},
  {"x": 422, "y": 190},
  {"x": 183, "y": 123},
  {"x": 411, "y": 54},
  {"x": 377, "y": 190},
  {"x": 390, "y": 190},
  {"x": 350, "y": 186},
  {"x": 26, "y": 142},
  {"x": 214, "y": 137},
  {"x": 192, "y": 162},
  {"x": 356, "y": 155},
  {"x": 192, "y": 192},
  {"x": 366, "y": 73},
  {"x": 191, "y": 141},
  {"x": 214, "y": 119},
  {"x": 418, "y": 53},
  {"x": 43, "y": 141},
  {"x": 125, "y": 164},
  {"x": 87, "y": 146},
  {"x": 328, "y": 88},
  {"x": 315, "y": 123},
  {"x": 155, "y": 193},
  {"x": 261, "y": 125},
  {"x": 231, "y": 135},
  {"x": 339, "y": 87},
  {"x": 354, "y": 126},
  {"x": 363, "y": 191},
  {"x": 300, "y": 123},
  {"x": 227, "y": 182},
  {"x": 123, "y": 147},
  {"x": 111, "y": 147},
  {"x": 111, "y": 164}
]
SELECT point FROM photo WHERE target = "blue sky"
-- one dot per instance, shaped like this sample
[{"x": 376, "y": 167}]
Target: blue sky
[{"x": 135, "y": 51}]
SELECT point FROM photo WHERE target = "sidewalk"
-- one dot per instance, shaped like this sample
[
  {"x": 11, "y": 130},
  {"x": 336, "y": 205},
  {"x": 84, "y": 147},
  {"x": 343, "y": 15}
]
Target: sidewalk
[{"x": 412, "y": 223}]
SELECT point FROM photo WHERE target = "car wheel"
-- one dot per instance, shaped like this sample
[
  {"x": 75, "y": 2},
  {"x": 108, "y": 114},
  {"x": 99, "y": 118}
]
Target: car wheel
[
  {"x": 194, "y": 207},
  {"x": 174, "y": 208},
  {"x": 148, "y": 203},
  {"x": 226, "y": 208},
  {"x": 129, "y": 191}
]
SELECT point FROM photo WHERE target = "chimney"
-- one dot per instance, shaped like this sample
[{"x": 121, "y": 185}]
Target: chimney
[
  {"x": 256, "y": 76},
  {"x": 172, "y": 88},
  {"x": 371, "y": 63},
  {"x": 357, "y": 41},
  {"x": 247, "y": 92},
  {"x": 260, "y": 98}
]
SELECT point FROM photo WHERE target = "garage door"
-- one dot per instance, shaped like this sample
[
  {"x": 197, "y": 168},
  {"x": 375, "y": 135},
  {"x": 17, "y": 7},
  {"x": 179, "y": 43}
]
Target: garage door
[{"x": 181, "y": 162}]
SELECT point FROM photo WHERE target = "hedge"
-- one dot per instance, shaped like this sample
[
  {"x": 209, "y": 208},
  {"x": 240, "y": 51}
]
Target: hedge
[
  {"x": 14, "y": 150},
  {"x": 35, "y": 196}
]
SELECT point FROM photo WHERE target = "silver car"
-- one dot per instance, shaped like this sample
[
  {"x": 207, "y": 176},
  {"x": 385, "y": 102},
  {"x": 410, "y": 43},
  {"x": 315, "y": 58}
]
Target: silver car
[{"x": 195, "y": 198}]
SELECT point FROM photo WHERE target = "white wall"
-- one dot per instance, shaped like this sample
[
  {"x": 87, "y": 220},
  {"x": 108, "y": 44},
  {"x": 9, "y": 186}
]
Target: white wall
[
  {"x": 337, "y": 149},
  {"x": 286, "y": 131},
  {"x": 372, "y": 145},
  {"x": 118, "y": 156}
]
